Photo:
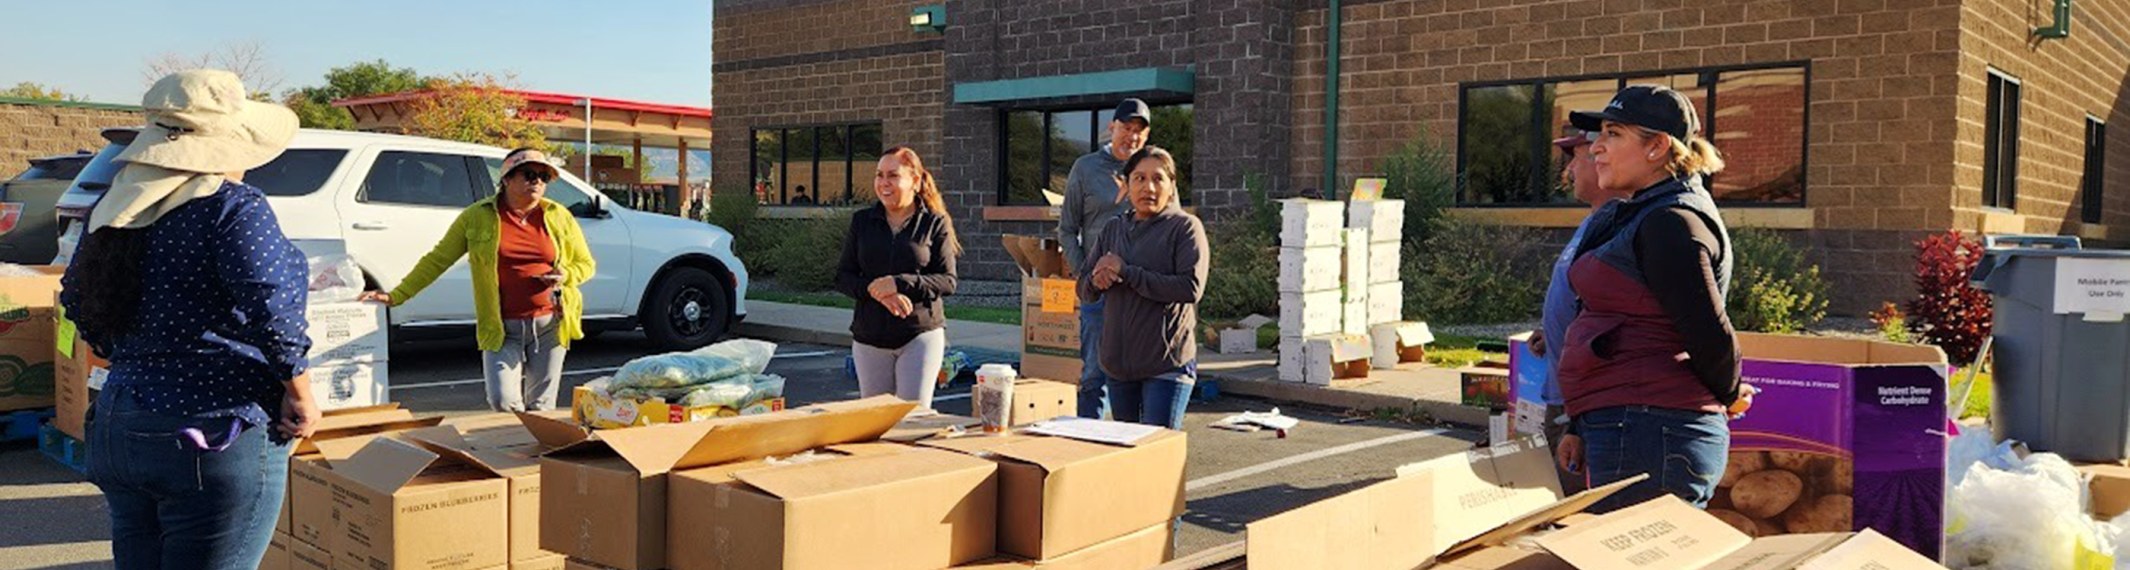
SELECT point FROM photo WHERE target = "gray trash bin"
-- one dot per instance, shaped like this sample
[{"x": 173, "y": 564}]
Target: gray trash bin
[{"x": 2062, "y": 354}]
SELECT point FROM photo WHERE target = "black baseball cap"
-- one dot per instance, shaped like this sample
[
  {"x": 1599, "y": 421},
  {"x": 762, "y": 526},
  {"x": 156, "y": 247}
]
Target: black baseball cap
[
  {"x": 1653, "y": 107},
  {"x": 1134, "y": 109}
]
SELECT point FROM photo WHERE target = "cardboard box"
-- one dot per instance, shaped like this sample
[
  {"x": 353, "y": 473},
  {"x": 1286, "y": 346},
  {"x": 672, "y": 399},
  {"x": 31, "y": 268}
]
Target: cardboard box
[
  {"x": 308, "y": 508},
  {"x": 921, "y": 509},
  {"x": 351, "y": 385},
  {"x": 1386, "y": 303},
  {"x": 347, "y": 333},
  {"x": 402, "y": 507},
  {"x": 1669, "y": 533},
  {"x": 26, "y": 338},
  {"x": 1310, "y": 314},
  {"x": 1398, "y": 343},
  {"x": 514, "y": 463},
  {"x": 1050, "y": 329},
  {"x": 1357, "y": 275},
  {"x": 1387, "y": 259},
  {"x": 592, "y": 408},
  {"x": 1242, "y": 338},
  {"x": 1485, "y": 384},
  {"x": 1860, "y": 422},
  {"x": 2110, "y": 485},
  {"x": 1059, "y": 495},
  {"x": 1038, "y": 400},
  {"x": 1331, "y": 358},
  {"x": 604, "y": 496},
  {"x": 1384, "y": 219},
  {"x": 276, "y": 553},
  {"x": 1310, "y": 223},
  {"x": 1145, "y": 548},
  {"x": 923, "y": 424},
  {"x": 306, "y": 557},
  {"x": 1309, "y": 269},
  {"x": 73, "y": 371},
  {"x": 549, "y": 562}
]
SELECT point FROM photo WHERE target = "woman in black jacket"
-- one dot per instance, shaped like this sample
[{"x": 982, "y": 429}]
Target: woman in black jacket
[{"x": 898, "y": 262}]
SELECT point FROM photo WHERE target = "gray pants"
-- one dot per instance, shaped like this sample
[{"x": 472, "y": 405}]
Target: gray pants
[
  {"x": 526, "y": 373},
  {"x": 910, "y": 372}
]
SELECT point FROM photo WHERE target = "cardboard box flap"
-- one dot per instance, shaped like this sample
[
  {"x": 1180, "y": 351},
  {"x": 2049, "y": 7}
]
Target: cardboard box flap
[
  {"x": 1852, "y": 352},
  {"x": 1348, "y": 348},
  {"x": 978, "y": 445},
  {"x": 1414, "y": 334},
  {"x": 1869, "y": 550},
  {"x": 334, "y": 451},
  {"x": 341, "y": 427},
  {"x": 1662, "y": 533},
  {"x": 655, "y": 448},
  {"x": 1783, "y": 552},
  {"x": 1019, "y": 253},
  {"x": 553, "y": 432},
  {"x": 793, "y": 482},
  {"x": 448, "y": 442},
  {"x": 1544, "y": 516},
  {"x": 386, "y": 464},
  {"x": 791, "y": 431},
  {"x": 1053, "y": 453}
]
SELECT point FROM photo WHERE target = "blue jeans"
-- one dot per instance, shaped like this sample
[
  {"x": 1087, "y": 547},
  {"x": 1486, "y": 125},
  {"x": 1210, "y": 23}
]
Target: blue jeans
[
  {"x": 1683, "y": 452},
  {"x": 1094, "y": 385},
  {"x": 175, "y": 506},
  {"x": 1157, "y": 401}
]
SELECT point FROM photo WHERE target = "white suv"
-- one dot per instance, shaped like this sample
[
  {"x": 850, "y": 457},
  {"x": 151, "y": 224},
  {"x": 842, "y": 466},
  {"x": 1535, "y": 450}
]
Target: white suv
[{"x": 388, "y": 199}]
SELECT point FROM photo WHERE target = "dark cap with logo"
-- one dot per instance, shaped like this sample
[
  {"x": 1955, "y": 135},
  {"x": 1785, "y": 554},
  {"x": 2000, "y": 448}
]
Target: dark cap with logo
[
  {"x": 1134, "y": 109},
  {"x": 1654, "y": 107}
]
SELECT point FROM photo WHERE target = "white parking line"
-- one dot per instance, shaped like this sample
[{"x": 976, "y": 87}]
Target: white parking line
[
  {"x": 1211, "y": 480},
  {"x": 449, "y": 383}
]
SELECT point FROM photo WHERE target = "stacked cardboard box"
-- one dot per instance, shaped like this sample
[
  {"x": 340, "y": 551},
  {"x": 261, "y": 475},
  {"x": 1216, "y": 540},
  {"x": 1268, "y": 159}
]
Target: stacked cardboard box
[
  {"x": 350, "y": 354},
  {"x": 311, "y": 516},
  {"x": 26, "y": 338},
  {"x": 1060, "y": 497},
  {"x": 1312, "y": 276},
  {"x": 1050, "y": 310},
  {"x": 1385, "y": 222}
]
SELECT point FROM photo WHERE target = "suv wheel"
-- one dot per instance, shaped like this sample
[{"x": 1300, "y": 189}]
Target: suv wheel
[{"x": 687, "y": 310}]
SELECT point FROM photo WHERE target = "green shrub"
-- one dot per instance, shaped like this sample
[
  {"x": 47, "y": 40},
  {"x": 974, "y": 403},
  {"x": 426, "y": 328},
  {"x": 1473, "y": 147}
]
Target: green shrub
[
  {"x": 1245, "y": 276},
  {"x": 805, "y": 256},
  {"x": 1471, "y": 272},
  {"x": 1424, "y": 174},
  {"x": 1773, "y": 288}
]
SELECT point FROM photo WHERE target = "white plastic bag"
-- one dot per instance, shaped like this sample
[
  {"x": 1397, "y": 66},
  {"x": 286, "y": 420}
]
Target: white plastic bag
[
  {"x": 2032, "y": 516},
  {"x": 701, "y": 366},
  {"x": 335, "y": 279}
]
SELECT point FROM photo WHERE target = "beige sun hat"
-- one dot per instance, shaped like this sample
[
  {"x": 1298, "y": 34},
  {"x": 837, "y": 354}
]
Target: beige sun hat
[{"x": 203, "y": 120}]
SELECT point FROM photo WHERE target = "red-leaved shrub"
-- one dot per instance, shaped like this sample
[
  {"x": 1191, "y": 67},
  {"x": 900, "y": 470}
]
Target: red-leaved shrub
[{"x": 1947, "y": 311}]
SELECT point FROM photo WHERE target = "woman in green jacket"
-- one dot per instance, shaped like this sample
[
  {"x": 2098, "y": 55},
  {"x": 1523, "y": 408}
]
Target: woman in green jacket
[{"x": 527, "y": 256}]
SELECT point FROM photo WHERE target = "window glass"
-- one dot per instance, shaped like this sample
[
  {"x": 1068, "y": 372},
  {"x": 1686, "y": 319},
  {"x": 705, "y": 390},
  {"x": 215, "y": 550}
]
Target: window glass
[
  {"x": 799, "y": 185},
  {"x": 1500, "y": 147},
  {"x": 834, "y": 181},
  {"x": 866, "y": 148},
  {"x": 1071, "y": 136},
  {"x": 1760, "y": 130},
  {"x": 1024, "y": 170},
  {"x": 419, "y": 179},
  {"x": 768, "y": 148},
  {"x": 295, "y": 173}
]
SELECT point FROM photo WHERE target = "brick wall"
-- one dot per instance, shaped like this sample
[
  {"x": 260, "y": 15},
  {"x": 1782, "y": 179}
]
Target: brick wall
[
  {"x": 2062, "y": 82},
  {"x": 822, "y": 62},
  {"x": 1882, "y": 95},
  {"x": 38, "y": 129}
]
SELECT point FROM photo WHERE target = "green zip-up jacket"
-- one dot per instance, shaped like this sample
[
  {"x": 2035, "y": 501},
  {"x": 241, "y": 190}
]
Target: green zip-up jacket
[{"x": 474, "y": 235}]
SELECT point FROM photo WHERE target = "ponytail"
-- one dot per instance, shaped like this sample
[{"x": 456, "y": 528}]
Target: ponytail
[
  {"x": 1697, "y": 156},
  {"x": 928, "y": 193},
  {"x": 108, "y": 271}
]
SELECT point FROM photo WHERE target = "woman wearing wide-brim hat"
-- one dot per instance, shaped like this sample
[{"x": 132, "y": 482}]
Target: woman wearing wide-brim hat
[
  {"x": 528, "y": 257},
  {"x": 186, "y": 284}
]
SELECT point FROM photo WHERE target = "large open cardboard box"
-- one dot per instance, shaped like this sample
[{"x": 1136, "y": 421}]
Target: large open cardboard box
[
  {"x": 499, "y": 452},
  {"x": 1050, "y": 310},
  {"x": 1668, "y": 533},
  {"x": 1144, "y": 548},
  {"x": 308, "y": 511},
  {"x": 877, "y": 506},
  {"x": 402, "y": 507},
  {"x": 604, "y": 495},
  {"x": 1059, "y": 495},
  {"x": 26, "y": 326}
]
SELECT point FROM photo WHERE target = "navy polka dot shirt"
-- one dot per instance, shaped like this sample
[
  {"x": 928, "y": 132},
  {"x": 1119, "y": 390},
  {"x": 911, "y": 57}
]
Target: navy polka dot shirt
[{"x": 221, "y": 322}]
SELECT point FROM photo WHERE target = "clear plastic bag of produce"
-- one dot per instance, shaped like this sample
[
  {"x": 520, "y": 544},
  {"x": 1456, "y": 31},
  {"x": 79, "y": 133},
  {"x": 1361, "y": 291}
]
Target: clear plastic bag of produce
[
  {"x": 2030, "y": 515},
  {"x": 737, "y": 392},
  {"x": 704, "y": 365},
  {"x": 334, "y": 279}
]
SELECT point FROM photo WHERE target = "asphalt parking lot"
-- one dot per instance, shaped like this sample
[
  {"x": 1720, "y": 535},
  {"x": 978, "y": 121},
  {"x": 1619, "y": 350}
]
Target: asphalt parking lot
[{"x": 54, "y": 520}]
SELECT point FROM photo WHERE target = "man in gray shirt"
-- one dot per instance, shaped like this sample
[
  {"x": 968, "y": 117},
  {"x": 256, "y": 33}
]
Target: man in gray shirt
[{"x": 1092, "y": 199}]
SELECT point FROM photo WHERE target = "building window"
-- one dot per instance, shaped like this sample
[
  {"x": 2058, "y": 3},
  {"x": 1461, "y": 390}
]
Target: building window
[
  {"x": 1038, "y": 147},
  {"x": 1755, "y": 115},
  {"x": 2000, "y": 143},
  {"x": 817, "y": 165},
  {"x": 2095, "y": 180}
]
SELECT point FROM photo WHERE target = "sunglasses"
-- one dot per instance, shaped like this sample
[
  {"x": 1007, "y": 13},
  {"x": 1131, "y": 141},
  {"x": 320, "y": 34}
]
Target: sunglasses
[{"x": 536, "y": 175}]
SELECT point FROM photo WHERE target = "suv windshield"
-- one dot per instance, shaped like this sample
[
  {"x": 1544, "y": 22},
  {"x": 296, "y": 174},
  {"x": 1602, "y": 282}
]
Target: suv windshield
[{"x": 296, "y": 172}]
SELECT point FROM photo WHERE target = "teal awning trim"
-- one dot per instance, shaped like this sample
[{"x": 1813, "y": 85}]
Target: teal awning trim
[{"x": 1148, "y": 79}]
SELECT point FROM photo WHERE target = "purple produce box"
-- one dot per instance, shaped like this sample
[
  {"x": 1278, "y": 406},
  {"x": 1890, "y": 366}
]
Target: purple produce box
[{"x": 1844, "y": 435}]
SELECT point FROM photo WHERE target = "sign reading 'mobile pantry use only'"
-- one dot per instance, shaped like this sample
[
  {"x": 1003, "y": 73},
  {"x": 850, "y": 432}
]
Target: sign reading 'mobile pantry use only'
[{"x": 2092, "y": 286}]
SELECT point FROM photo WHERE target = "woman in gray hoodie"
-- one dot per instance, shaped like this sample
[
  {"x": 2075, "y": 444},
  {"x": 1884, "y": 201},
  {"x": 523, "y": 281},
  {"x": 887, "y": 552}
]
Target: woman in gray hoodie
[{"x": 1149, "y": 270}]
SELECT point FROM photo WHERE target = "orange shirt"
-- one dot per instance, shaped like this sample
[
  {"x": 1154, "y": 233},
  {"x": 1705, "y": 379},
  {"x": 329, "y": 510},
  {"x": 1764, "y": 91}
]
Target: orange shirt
[{"x": 524, "y": 253}]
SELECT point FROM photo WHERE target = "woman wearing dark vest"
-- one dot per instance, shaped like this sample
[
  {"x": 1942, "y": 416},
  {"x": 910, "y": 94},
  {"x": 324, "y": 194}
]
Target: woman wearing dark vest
[{"x": 1649, "y": 368}]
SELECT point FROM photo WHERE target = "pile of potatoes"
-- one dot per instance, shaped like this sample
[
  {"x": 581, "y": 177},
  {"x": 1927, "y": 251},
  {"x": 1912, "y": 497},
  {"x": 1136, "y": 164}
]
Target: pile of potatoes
[{"x": 1766, "y": 493}]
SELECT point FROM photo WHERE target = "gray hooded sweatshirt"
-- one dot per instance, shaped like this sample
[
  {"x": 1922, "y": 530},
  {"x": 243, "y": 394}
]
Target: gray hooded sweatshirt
[{"x": 1151, "y": 317}]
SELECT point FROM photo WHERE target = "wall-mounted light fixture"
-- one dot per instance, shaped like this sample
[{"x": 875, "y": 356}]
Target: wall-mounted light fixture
[
  {"x": 2062, "y": 28},
  {"x": 929, "y": 19}
]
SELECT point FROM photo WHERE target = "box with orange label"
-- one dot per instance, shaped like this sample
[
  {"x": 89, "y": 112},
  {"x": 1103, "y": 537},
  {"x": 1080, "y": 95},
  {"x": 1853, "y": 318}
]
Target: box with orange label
[{"x": 594, "y": 408}]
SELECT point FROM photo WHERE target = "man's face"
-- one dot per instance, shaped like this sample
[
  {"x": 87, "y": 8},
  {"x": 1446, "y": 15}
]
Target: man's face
[
  {"x": 1128, "y": 136},
  {"x": 1582, "y": 176}
]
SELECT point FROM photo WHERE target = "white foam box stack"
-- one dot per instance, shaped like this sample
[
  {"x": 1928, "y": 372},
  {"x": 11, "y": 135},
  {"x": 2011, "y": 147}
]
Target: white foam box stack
[
  {"x": 1309, "y": 269},
  {"x": 1310, "y": 223},
  {"x": 1310, "y": 314},
  {"x": 1384, "y": 219},
  {"x": 350, "y": 354},
  {"x": 1384, "y": 260},
  {"x": 1386, "y": 303},
  {"x": 1354, "y": 298},
  {"x": 1293, "y": 359}
]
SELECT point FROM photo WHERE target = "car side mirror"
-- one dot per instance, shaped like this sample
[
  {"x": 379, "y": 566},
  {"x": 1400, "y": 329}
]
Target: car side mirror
[{"x": 596, "y": 209}]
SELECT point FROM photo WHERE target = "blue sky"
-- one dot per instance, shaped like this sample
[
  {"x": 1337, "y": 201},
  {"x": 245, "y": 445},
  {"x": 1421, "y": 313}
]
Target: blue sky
[{"x": 646, "y": 50}]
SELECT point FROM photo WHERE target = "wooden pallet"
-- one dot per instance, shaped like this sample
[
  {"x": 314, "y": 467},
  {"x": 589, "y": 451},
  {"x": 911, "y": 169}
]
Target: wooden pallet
[{"x": 63, "y": 448}]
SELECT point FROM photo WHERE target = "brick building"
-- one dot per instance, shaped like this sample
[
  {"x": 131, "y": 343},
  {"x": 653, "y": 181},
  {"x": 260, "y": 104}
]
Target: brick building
[
  {"x": 34, "y": 128},
  {"x": 1855, "y": 126}
]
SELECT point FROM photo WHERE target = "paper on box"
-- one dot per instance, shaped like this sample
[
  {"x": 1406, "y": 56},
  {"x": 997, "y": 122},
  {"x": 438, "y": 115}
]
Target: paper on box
[
  {"x": 604, "y": 495},
  {"x": 1310, "y": 269},
  {"x": 1396, "y": 343},
  {"x": 351, "y": 384},
  {"x": 1310, "y": 223},
  {"x": 402, "y": 507},
  {"x": 1384, "y": 219},
  {"x": 1059, "y": 495},
  {"x": 1145, "y": 548},
  {"x": 1310, "y": 314},
  {"x": 1386, "y": 303},
  {"x": 921, "y": 509},
  {"x": 1384, "y": 260},
  {"x": 344, "y": 333}
]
